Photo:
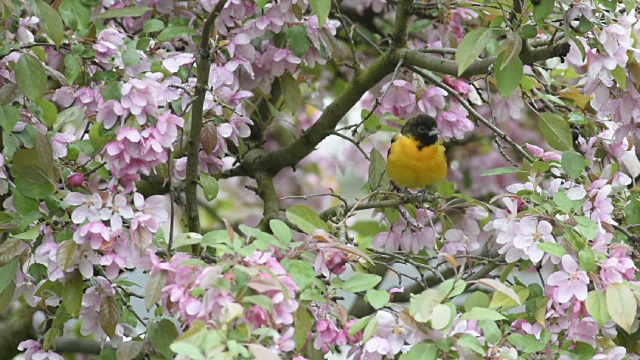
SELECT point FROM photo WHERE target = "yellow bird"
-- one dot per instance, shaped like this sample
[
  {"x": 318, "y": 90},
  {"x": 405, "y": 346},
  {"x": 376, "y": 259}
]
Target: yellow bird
[{"x": 416, "y": 158}]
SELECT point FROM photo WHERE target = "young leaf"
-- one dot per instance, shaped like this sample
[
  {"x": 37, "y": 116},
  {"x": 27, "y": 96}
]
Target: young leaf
[
  {"x": 361, "y": 282},
  {"x": 500, "y": 287},
  {"x": 72, "y": 294},
  {"x": 153, "y": 291},
  {"x": 9, "y": 117},
  {"x": 210, "y": 186},
  {"x": 596, "y": 304},
  {"x": 109, "y": 315},
  {"x": 306, "y": 219},
  {"x": 508, "y": 74},
  {"x": 556, "y": 131},
  {"x": 8, "y": 272},
  {"x": 162, "y": 334},
  {"x": 622, "y": 305},
  {"x": 291, "y": 92},
  {"x": 473, "y": 44},
  {"x": 303, "y": 322},
  {"x": 377, "y": 298},
  {"x": 31, "y": 78},
  {"x": 377, "y": 171},
  {"x": 132, "y": 11},
  {"x": 503, "y": 171},
  {"x": 50, "y": 21},
  {"x": 572, "y": 164},
  {"x": 321, "y": 9}
]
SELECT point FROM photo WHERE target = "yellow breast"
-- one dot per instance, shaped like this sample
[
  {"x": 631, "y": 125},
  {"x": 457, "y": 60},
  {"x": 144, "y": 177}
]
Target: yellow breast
[{"x": 414, "y": 168}]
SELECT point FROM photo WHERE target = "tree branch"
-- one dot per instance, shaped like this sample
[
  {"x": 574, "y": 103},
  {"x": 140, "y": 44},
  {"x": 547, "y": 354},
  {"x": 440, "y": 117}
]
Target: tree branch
[
  {"x": 203, "y": 62},
  {"x": 401, "y": 25},
  {"x": 450, "y": 67},
  {"x": 290, "y": 155}
]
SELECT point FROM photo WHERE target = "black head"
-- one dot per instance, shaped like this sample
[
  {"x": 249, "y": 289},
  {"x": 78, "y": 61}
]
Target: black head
[{"x": 423, "y": 128}]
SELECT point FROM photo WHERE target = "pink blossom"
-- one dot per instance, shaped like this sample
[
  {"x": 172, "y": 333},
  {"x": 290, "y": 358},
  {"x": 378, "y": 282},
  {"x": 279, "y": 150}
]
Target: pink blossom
[
  {"x": 329, "y": 261},
  {"x": 400, "y": 99},
  {"x": 454, "y": 123},
  {"x": 142, "y": 98},
  {"x": 59, "y": 143},
  {"x": 109, "y": 113},
  {"x": 35, "y": 352},
  {"x": 617, "y": 268},
  {"x": 599, "y": 209},
  {"x": 96, "y": 234},
  {"x": 569, "y": 282},
  {"x": 433, "y": 99},
  {"x": 174, "y": 62}
]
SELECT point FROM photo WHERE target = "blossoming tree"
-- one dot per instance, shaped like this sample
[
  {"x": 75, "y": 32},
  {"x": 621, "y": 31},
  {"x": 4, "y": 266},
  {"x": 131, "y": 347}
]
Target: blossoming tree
[{"x": 168, "y": 179}]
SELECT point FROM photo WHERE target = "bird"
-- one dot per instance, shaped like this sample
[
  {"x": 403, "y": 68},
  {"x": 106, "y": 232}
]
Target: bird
[{"x": 416, "y": 157}]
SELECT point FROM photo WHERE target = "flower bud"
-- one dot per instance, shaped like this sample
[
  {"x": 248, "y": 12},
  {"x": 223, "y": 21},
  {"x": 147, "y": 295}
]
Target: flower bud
[{"x": 75, "y": 180}]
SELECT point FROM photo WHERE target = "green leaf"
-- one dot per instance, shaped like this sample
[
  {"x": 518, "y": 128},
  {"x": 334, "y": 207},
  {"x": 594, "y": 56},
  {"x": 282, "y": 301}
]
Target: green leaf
[
  {"x": 542, "y": 10},
  {"x": 553, "y": 249},
  {"x": 492, "y": 332},
  {"x": 153, "y": 291},
  {"x": 477, "y": 299},
  {"x": 291, "y": 92},
  {"x": 378, "y": 177},
  {"x": 132, "y": 11},
  {"x": 260, "y": 300},
  {"x": 72, "y": 68},
  {"x": 470, "y": 342},
  {"x": 503, "y": 171},
  {"x": 34, "y": 190},
  {"x": 622, "y": 305},
  {"x": 109, "y": 315},
  {"x": 50, "y": 21},
  {"x": 528, "y": 343},
  {"x": 99, "y": 136},
  {"x": 632, "y": 212},
  {"x": 50, "y": 112},
  {"x": 129, "y": 350},
  {"x": 31, "y": 78},
  {"x": 306, "y": 219},
  {"x": 130, "y": 57},
  {"x": 422, "y": 351},
  {"x": 562, "y": 200},
  {"x": 8, "y": 272},
  {"x": 302, "y": 272},
  {"x": 281, "y": 231},
  {"x": 361, "y": 282},
  {"x": 528, "y": 31},
  {"x": 508, "y": 75},
  {"x": 185, "y": 239},
  {"x": 473, "y": 44},
  {"x": 445, "y": 188},
  {"x": 66, "y": 254},
  {"x": 28, "y": 165},
  {"x": 210, "y": 186},
  {"x": 587, "y": 259},
  {"x": 75, "y": 14},
  {"x": 597, "y": 306},
  {"x": 441, "y": 316},
  {"x": 174, "y": 31},
  {"x": 9, "y": 117},
  {"x": 502, "y": 288},
  {"x": 556, "y": 131},
  {"x": 153, "y": 25},
  {"x": 377, "y": 298},
  {"x": 303, "y": 322},
  {"x": 359, "y": 325},
  {"x": 72, "y": 294},
  {"x": 112, "y": 91},
  {"x": 572, "y": 164},
  {"x": 6, "y": 296},
  {"x": 71, "y": 115},
  {"x": 421, "y": 306},
  {"x": 298, "y": 40},
  {"x": 162, "y": 334},
  {"x": 478, "y": 313},
  {"x": 187, "y": 349},
  {"x": 321, "y": 9}
]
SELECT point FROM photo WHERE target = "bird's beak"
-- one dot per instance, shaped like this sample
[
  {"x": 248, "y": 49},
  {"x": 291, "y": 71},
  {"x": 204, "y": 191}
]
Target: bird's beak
[{"x": 434, "y": 132}]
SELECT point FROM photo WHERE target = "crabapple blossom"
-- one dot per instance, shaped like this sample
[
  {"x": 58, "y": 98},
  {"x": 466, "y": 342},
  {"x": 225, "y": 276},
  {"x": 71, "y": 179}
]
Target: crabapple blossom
[{"x": 569, "y": 282}]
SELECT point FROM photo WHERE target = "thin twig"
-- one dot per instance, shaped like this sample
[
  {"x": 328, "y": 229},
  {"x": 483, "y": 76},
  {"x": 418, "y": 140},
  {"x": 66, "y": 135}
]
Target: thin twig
[{"x": 355, "y": 143}]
